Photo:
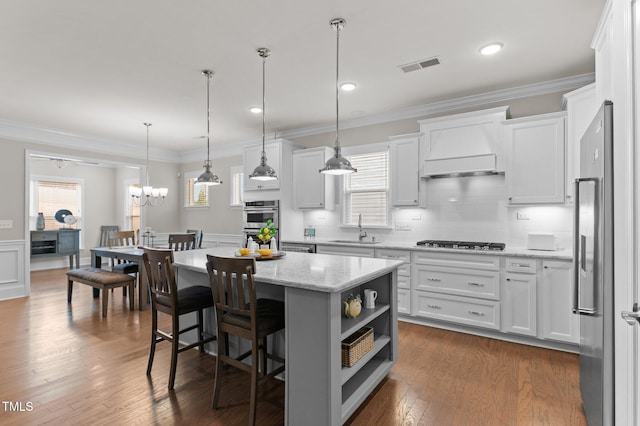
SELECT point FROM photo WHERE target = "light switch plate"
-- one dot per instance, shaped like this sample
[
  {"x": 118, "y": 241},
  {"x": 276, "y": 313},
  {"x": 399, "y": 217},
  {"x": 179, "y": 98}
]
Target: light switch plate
[
  {"x": 6, "y": 224},
  {"x": 402, "y": 227}
]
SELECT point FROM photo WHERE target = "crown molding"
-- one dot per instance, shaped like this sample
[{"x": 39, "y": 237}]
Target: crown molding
[
  {"x": 552, "y": 86},
  {"x": 24, "y": 132},
  {"x": 54, "y": 137}
]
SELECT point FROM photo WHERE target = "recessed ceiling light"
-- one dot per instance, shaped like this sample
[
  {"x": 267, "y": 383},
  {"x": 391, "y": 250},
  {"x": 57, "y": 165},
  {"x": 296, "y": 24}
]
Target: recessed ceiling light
[
  {"x": 491, "y": 48},
  {"x": 255, "y": 110},
  {"x": 347, "y": 87}
]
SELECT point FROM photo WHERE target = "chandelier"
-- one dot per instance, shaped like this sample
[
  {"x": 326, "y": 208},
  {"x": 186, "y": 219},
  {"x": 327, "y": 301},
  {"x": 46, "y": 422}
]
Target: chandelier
[{"x": 148, "y": 195}]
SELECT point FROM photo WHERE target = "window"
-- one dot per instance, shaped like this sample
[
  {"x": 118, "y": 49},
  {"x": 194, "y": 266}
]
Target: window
[
  {"x": 237, "y": 186},
  {"x": 50, "y": 194},
  {"x": 132, "y": 214},
  {"x": 366, "y": 192},
  {"x": 195, "y": 195}
]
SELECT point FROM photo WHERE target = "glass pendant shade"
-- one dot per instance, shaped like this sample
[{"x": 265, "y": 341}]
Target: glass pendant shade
[
  {"x": 337, "y": 164},
  {"x": 263, "y": 172},
  {"x": 207, "y": 177}
]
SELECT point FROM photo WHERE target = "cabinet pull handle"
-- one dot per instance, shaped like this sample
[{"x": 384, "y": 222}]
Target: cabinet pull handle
[
  {"x": 508, "y": 279},
  {"x": 475, "y": 284},
  {"x": 476, "y": 313},
  {"x": 434, "y": 279},
  {"x": 521, "y": 265},
  {"x": 435, "y": 306}
]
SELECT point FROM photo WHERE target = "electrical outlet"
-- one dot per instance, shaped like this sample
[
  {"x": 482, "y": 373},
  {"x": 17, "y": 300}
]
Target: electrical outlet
[
  {"x": 402, "y": 227},
  {"x": 6, "y": 224},
  {"x": 522, "y": 216}
]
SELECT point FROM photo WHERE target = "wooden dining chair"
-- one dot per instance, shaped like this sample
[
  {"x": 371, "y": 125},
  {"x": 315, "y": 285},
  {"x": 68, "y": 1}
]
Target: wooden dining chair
[
  {"x": 181, "y": 242},
  {"x": 239, "y": 313},
  {"x": 104, "y": 234},
  {"x": 166, "y": 298},
  {"x": 198, "y": 236},
  {"x": 118, "y": 239}
]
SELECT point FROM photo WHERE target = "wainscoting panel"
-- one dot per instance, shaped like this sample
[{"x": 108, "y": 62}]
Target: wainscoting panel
[{"x": 13, "y": 279}]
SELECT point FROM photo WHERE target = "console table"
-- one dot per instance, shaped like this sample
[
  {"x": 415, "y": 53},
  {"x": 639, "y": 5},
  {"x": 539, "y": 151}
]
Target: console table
[{"x": 62, "y": 242}]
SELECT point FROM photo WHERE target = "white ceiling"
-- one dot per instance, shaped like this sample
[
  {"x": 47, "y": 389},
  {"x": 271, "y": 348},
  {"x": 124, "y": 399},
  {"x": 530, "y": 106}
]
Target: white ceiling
[{"x": 102, "y": 68}]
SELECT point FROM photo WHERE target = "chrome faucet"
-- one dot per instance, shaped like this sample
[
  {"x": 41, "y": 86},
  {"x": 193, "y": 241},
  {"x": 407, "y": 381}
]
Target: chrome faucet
[{"x": 362, "y": 234}]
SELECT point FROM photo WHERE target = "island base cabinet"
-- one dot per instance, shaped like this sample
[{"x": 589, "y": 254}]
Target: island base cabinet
[{"x": 313, "y": 358}]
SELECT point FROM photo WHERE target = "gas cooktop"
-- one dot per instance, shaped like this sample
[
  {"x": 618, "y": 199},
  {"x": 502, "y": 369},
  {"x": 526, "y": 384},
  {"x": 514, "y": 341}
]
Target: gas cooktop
[{"x": 462, "y": 245}]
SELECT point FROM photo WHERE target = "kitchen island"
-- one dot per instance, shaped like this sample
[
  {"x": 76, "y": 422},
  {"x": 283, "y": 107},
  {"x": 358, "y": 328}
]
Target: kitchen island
[{"x": 319, "y": 390}]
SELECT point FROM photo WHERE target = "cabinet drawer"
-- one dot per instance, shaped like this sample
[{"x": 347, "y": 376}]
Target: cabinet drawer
[
  {"x": 345, "y": 251},
  {"x": 44, "y": 236},
  {"x": 404, "y": 281},
  {"x": 520, "y": 264},
  {"x": 404, "y": 301},
  {"x": 404, "y": 270},
  {"x": 485, "y": 314},
  {"x": 454, "y": 260},
  {"x": 464, "y": 282},
  {"x": 405, "y": 256}
]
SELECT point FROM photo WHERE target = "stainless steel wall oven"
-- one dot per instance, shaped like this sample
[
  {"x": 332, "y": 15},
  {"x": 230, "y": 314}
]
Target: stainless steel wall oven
[{"x": 255, "y": 215}]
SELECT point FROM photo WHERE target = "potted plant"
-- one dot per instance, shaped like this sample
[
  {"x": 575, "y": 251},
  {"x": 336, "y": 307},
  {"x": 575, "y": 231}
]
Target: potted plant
[{"x": 266, "y": 233}]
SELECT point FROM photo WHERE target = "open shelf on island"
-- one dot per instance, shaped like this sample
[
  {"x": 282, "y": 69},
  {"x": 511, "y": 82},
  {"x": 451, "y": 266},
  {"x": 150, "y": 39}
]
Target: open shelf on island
[
  {"x": 378, "y": 344},
  {"x": 351, "y": 325},
  {"x": 356, "y": 390}
]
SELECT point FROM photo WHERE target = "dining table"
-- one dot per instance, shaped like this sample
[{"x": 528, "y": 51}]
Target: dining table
[{"x": 127, "y": 253}]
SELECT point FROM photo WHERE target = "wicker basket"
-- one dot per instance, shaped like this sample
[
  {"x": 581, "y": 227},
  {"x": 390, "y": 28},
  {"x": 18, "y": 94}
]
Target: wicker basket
[{"x": 356, "y": 346}]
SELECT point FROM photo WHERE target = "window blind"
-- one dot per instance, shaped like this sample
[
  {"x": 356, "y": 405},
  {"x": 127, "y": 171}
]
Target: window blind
[
  {"x": 195, "y": 195},
  {"x": 366, "y": 192},
  {"x": 53, "y": 196},
  {"x": 237, "y": 186}
]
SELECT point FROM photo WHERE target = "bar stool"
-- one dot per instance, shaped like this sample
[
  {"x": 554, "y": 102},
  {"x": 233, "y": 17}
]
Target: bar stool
[
  {"x": 166, "y": 298},
  {"x": 238, "y": 313}
]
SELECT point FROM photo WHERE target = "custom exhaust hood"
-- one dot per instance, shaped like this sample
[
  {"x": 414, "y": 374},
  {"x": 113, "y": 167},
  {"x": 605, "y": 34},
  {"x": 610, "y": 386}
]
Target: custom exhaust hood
[{"x": 463, "y": 144}]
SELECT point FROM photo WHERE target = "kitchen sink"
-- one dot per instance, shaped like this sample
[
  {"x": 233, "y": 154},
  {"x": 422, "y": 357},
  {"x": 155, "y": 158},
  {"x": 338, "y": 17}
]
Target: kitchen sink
[{"x": 354, "y": 242}]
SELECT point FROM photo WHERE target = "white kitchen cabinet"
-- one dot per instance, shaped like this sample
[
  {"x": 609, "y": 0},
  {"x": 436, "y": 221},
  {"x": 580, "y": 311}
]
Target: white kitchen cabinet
[
  {"x": 581, "y": 106},
  {"x": 558, "y": 322},
  {"x": 252, "y": 157},
  {"x": 457, "y": 288},
  {"x": 535, "y": 171},
  {"x": 519, "y": 297},
  {"x": 404, "y": 162},
  {"x": 404, "y": 276},
  {"x": 312, "y": 189}
]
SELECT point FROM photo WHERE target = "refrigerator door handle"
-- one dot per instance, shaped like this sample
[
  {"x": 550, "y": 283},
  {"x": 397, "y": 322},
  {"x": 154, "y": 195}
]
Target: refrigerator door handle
[{"x": 579, "y": 246}]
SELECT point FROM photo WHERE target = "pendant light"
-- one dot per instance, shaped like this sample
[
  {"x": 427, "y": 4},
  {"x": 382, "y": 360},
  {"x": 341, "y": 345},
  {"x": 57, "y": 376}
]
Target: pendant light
[
  {"x": 152, "y": 196},
  {"x": 263, "y": 171},
  {"x": 207, "y": 177},
  {"x": 337, "y": 164}
]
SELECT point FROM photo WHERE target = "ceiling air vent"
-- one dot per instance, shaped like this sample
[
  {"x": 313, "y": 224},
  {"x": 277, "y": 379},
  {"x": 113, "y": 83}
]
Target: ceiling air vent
[{"x": 415, "y": 66}]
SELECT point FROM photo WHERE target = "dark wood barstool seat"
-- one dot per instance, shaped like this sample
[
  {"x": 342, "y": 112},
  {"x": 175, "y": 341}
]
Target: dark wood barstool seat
[
  {"x": 239, "y": 313},
  {"x": 166, "y": 298}
]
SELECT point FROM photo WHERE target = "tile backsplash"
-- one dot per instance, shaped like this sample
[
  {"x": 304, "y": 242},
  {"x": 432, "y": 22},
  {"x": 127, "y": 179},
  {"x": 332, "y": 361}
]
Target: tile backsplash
[{"x": 464, "y": 208}]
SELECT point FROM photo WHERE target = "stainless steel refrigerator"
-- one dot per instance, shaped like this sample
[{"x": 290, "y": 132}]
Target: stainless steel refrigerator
[{"x": 593, "y": 267}]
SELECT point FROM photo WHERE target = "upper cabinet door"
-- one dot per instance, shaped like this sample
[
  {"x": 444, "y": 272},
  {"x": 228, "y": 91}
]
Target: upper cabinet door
[
  {"x": 312, "y": 189},
  {"x": 252, "y": 157},
  {"x": 581, "y": 105},
  {"x": 535, "y": 171},
  {"x": 404, "y": 162}
]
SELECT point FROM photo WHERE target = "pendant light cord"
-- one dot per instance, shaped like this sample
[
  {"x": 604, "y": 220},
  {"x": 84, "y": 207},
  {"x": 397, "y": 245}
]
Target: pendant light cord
[
  {"x": 208, "y": 74},
  {"x": 147, "y": 164},
  {"x": 263, "y": 159},
  {"x": 338, "y": 25}
]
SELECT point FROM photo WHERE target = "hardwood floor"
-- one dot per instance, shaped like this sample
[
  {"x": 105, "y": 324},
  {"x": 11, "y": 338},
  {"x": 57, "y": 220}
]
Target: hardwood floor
[{"x": 66, "y": 364}]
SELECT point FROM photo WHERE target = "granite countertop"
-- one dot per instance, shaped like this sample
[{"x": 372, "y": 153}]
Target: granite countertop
[
  {"x": 318, "y": 272},
  {"x": 509, "y": 251}
]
